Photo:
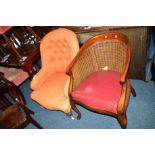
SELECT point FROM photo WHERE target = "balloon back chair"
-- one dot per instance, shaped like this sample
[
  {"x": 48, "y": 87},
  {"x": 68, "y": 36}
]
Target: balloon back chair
[
  {"x": 50, "y": 84},
  {"x": 13, "y": 111},
  {"x": 99, "y": 76}
]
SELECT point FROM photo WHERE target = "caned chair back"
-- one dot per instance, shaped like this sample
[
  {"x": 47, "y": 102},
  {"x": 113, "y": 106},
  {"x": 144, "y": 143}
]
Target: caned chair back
[{"x": 109, "y": 51}]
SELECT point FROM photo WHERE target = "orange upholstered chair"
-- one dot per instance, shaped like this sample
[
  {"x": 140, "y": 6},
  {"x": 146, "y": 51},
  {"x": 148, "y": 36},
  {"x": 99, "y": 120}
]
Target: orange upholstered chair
[{"x": 50, "y": 84}]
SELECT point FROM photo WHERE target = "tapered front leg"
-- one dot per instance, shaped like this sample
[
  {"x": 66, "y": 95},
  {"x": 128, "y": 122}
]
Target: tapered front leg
[{"x": 122, "y": 120}]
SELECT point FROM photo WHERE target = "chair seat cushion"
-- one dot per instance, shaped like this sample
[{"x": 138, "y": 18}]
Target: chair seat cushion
[
  {"x": 51, "y": 93},
  {"x": 101, "y": 90}
]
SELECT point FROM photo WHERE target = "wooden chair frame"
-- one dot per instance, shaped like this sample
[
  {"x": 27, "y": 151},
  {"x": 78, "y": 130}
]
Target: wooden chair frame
[{"x": 26, "y": 65}]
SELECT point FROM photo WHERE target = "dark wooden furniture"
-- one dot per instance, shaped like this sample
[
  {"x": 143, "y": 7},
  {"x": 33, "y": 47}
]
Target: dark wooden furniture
[
  {"x": 14, "y": 113},
  {"x": 137, "y": 36},
  {"x": 19, "y": 48},
  {"x": 104, "y": 55}
]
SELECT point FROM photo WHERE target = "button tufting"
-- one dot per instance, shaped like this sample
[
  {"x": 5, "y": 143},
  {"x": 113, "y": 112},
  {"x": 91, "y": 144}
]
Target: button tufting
[{"x": 115, "y": 36}]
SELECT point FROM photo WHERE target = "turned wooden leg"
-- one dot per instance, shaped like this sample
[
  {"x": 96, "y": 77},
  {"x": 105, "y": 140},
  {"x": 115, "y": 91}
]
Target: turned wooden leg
[
  {"x": 75, "y": 109},
  {"x": 133, "y": 91},
  {"x": 122, "y": 120}
]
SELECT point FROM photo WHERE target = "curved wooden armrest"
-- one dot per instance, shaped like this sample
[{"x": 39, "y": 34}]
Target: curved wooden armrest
[
  {"x": 124, "y": 75},
  {"x": 122, "y": 105}
]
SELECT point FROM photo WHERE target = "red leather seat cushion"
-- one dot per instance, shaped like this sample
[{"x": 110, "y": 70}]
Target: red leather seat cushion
[{"x": 100, "y": 90}]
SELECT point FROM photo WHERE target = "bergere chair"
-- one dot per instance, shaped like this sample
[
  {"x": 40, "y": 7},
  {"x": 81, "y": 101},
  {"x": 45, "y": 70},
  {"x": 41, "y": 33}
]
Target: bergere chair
[
  {"x": 99, "y": 76},
  {"x": 14, "y": 113},
  {"x": 50, "y": 84}
]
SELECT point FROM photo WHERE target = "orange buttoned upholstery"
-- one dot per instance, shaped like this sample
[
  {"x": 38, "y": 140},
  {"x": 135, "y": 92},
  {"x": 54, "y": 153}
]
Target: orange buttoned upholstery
[{"x": 50, "y": 84}]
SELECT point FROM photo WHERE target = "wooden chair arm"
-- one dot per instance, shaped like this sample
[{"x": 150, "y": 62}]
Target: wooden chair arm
[{"x": 125, "y": 94}]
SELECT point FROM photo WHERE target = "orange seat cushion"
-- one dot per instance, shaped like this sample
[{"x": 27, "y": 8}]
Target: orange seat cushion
[
  {"x": 51, "y": 93},
  {"x": 100, "y": 90}
]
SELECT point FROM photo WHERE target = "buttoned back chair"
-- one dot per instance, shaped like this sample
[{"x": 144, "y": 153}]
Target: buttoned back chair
[
  {"x": 99, "y": 76},
  {"x": 50, "y": 84},
  {"x": 13, "y": 111}
]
